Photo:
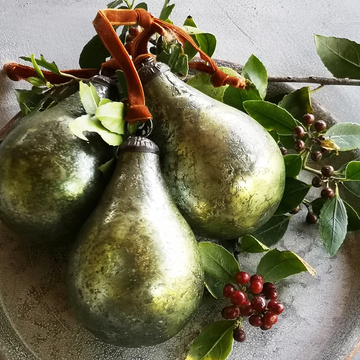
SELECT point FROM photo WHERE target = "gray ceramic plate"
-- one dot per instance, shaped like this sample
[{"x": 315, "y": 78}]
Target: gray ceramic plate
[{"x": 321, "y": 320}]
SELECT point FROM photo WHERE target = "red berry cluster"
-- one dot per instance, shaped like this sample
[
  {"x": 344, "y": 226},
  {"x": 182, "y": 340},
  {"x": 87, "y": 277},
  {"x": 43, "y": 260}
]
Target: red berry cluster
[
  {"x": 251, "y": 298},
  {"x": 133, "y": 32}
]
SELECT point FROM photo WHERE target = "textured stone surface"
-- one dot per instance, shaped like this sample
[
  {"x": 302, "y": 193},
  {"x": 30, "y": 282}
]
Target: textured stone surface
[{"x": 321, "y": 321}]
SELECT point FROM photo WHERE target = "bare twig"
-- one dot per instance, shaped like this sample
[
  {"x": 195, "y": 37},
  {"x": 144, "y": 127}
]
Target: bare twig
[{"x": 314, "y": 80}]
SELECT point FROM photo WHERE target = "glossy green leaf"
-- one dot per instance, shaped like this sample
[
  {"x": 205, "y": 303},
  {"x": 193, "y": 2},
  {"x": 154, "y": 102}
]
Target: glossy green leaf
[
  {"x": 114, "y": 4},
  {"x": 294, "y": 193},
  {"x": 93, "y": 54},
  {"x": 141, "y": 5},
  {"x": 201, "y": 81},
  {"x": 249, "y": 244},
  {"x": 273, "y": 230},
  {"x": 28, "y": 99},
  {"x": 317, "y": 205},
  {"x": 297, "y": 103},
  {"x": 340, "y": 56},
  {"x": 215, "y": 342},
  {"x": 353, "y": 187},
  {"x": 352, "y": 171},
  {"x": 89, "y": 97},
  {"x": 287, "y": 141},
  {"x": 276, "y": 265},
  {"x": 35, "y": 81},
  {"x": 220, "y": 267},
  {"x": 166, "y": 10},
  {"x": 353, "y": 218},
  {"x": 189, "y": 50},
  {"x": 88, "y": 123},
  {"x": 255, "y": 71},
  {"x": 333, "y": 224},
  {"x": 207, "y": 43},
  {"x": 293, "y": 165},
  {"x": 345, "y": 135},
  {"x": 270, "y": 116},
  {"x": 236, "y": 97},
  {"x": 111, "y": 116}
]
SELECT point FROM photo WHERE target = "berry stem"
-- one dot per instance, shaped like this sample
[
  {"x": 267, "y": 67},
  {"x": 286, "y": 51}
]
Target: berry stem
[{"x": 308, "y": 168}]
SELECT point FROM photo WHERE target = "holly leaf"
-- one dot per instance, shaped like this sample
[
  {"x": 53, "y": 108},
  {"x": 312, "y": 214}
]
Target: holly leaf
[
  {"x": 352, "y": 172},
  {"x": 89, "y": 97},
  {"x": 255, "y": 71},
  {"x": 271, "y": 116},
  {"x": 346, "y": 136},
  {"x": 273, "y": 230},
  {"x": 293, "y": 165},
  {"x": 220, "y": 267},
  {"x": 215, "y": 342},
  {"x": 249, "y": 244},
  {"x": 236, "y": 97},
  {"x": 88, "y": 123},
  {"x": 294, "y": 193},
  {"x": 298, "y": 102},
  {"x": 333, "y": 224},
  {"x": 111, "y": 116},
  {"x": 276, "y": 265},
  {"x": 340, "y": 56}
]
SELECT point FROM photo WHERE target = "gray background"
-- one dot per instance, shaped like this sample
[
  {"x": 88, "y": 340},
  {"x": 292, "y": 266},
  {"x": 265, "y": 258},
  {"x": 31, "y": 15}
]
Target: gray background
[{"x": 280, "y": 33}]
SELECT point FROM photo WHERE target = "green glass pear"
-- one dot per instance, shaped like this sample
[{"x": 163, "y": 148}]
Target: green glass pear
[
  {"x": 135, "y": 275},
  {"x": 49, "y": 178},
  {"x": 224, "y": 170}
]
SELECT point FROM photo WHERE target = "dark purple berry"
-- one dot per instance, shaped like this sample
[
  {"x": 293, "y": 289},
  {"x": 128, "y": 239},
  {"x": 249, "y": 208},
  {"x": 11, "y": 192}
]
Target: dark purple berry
[
  {"x": 298, "y": 132},
  {"x": 258, "y": 303},
  {"x": 308, "y": 119},
  {"x": 316, "y": 156},
  {"x": 246, "y": 309},
  {"x": 327, "y": 193},
  {"x": 311, "y": 218},
  {"x": 255, "y": 320},
  {"x": 230, "y": 312},
  {"x": 283, "y": 150},
  {"x": 320, "y": 125},
  {"x": 239, "y": 334},
  {"x": 299, "y": 145},
  {"x": 296, "y": 210},
  {"x": 265, "y": 327},
  {"x": 327, "y": 170},
  {"x": 229, "y": 290},
  {"x": 267, "y": 286},
  {"x": 317, "y": 182}
]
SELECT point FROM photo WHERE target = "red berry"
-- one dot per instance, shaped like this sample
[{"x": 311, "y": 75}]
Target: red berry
[
  {"x": 229, "y": 290},
  {"x": 320, "y": 125},
  {"x": 238, "y": 298},
  {"x": 267, "y": 286},
  {"x": 278, "y": 308},
  {"x": 230, "y": 312},
  {"x": 271, "y": 294},
  {"x": 256, "y": 287},
  {"x": 308, "y": 119},
  {"x": 327, "y": 193},
  {"x": 265, "y": 327},
  {"x": 271, "y": 304},
  {"x": 239, "y": 334},
  {"x": 255, "y": 320},
  {"x": 246, "y": 309},
  {"x": 257, "y": 277},
  {"x": 258, "y": 303},
  {"x": 270, "y": 318},
  {"x": 242, "y": 277}
]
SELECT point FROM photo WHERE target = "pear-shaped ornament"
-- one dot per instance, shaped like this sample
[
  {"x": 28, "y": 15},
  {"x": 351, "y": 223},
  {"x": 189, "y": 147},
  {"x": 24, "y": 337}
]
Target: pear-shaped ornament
[
  {"x": 135, "y": 275},
  {"x": 49, "y": 178},
  {"x": 224, "y": 170}
]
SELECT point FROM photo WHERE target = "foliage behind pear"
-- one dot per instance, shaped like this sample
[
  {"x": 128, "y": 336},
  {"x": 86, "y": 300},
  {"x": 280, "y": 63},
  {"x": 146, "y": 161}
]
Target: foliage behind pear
[
  {"x": 50, "y": 180},
  {"x": 224, "y": 170},
  {"x": 135, "y": 274}
]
